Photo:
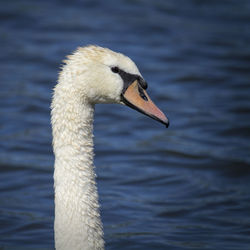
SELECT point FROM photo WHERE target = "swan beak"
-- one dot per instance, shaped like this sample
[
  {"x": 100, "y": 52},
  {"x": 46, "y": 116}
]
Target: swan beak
[{"x": 137, "y": 98}]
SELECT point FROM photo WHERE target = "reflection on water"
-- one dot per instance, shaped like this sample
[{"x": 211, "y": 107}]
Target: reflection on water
[{"x": 186, "y": 187}]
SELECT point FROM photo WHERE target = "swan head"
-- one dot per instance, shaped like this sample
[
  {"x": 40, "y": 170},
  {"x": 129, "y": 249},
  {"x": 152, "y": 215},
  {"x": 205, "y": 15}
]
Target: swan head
[{"x": 100, "y": 75}]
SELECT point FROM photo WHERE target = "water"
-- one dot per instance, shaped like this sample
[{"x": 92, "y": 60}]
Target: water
[{"x": 186, "y": 187}]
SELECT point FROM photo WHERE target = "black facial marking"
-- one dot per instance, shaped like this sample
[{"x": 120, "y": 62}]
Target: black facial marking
[{"x": 129, "y": 78}]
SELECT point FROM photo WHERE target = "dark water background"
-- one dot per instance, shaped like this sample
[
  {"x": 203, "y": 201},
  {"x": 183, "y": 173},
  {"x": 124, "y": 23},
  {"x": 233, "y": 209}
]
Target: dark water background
[{"x": 186, "y": 187}]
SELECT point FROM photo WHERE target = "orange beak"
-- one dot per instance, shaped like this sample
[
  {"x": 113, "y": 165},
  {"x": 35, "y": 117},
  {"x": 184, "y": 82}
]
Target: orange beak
[{"x": 137, "y": 98}]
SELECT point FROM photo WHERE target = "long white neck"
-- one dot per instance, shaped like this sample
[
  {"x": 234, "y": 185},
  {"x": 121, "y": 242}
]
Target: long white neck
[{"x": 77, "y": 219}]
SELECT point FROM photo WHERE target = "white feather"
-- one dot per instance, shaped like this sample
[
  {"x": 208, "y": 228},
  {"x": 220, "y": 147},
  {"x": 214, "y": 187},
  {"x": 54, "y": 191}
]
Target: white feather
[{"x": 86, "y": 79}]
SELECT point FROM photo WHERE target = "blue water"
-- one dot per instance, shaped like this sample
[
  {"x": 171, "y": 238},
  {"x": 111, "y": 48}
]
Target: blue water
[{"x": 185, "y": 187}]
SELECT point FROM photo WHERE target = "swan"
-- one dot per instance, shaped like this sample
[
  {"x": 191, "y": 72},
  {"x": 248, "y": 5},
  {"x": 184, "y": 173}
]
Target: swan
[{"x": 90, "y": 75}]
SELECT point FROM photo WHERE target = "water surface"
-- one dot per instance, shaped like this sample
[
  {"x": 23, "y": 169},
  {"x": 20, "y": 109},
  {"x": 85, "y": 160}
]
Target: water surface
[{"x": 186, "y": 187}]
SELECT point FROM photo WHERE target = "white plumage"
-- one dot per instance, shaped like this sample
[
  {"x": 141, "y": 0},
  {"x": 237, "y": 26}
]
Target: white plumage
[{"x": 86, "y": 79}]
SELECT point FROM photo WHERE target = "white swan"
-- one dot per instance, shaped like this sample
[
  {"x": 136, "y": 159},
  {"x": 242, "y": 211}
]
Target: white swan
[{"x": 91, "y": 75}]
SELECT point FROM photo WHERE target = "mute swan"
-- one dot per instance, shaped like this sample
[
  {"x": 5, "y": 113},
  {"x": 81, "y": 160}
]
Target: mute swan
[{"x": 91, "y": 75}]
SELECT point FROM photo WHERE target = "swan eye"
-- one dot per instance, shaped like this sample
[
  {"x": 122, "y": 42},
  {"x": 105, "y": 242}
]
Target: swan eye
[{"x": 115, "y": 69}]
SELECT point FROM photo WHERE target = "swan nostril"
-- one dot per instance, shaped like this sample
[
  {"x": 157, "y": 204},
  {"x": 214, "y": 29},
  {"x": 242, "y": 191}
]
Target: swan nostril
[{"x": 142, "y": 95}]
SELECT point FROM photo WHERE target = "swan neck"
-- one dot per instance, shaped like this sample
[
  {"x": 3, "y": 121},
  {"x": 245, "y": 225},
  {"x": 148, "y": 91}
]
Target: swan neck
[{"x": 77, "y": 218}]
